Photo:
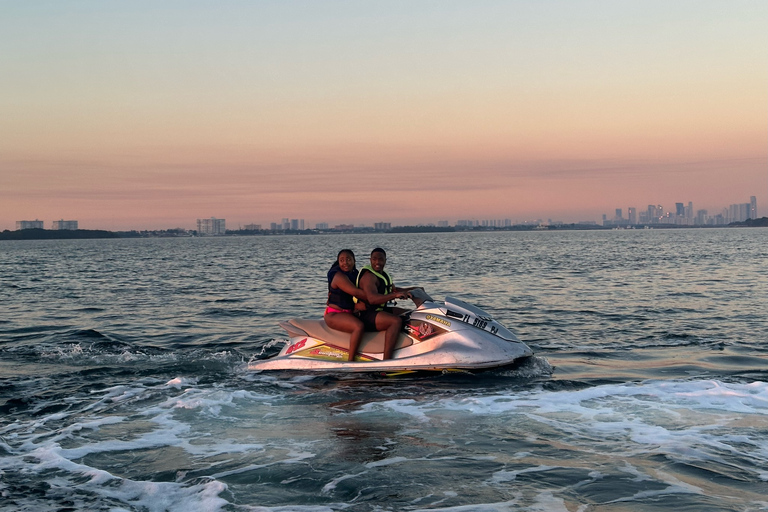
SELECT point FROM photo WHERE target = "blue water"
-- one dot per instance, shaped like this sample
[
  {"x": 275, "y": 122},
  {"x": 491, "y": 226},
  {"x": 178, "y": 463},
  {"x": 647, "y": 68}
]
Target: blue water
[{"x": 123, "y": 379}]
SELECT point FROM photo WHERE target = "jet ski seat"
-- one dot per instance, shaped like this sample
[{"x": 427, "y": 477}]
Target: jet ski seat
[{"x": 372, "y": 342}]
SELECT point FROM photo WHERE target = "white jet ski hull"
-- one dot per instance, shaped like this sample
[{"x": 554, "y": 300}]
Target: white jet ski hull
[{"x": 437, "y": 336}]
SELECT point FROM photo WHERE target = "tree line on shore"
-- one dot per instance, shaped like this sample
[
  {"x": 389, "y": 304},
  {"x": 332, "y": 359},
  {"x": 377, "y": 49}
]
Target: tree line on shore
[{"x": 65, "y": 234}]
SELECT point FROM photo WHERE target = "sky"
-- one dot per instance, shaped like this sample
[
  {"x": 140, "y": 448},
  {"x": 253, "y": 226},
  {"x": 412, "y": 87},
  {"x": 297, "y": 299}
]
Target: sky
[{"x": 150, "y": 115}]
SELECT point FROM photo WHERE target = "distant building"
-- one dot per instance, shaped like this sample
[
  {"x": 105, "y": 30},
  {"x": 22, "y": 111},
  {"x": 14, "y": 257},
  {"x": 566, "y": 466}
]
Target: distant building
[
  {"x": 253, "y": 227},
  {"x": 382, "y": 226},
  {"x": 655, "y": 213},
  {"x": 632, "y": 214},
  {"x": 64, "y": 224},
  {"x": 739, "y": 212},
  {"x": 321, "y": 225},
  {"x": 211, "y": 227},
  {"x": 752, "y": 207},
  {"x": 29, "y": 224},
  {"x": 442, "y": 223}
]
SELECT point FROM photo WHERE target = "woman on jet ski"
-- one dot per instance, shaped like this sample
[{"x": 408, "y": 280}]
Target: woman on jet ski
[{"x": 339, "y": 314}]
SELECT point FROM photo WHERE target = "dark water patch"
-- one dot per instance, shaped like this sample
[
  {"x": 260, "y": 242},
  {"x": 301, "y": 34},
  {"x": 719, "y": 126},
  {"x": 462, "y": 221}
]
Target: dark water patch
[
  {"x": 574, "y": 385},
  {"x": 89, "y": 334},
  {"x": 35, "y": 330},
  {"x": 675, "y": 340},
  {"x": 594, "y": 354},
  {"x": 687, "y": 294},
  {"x": 740, "y": 361},
  {"x": 650, "y": 363},
  {"x": 706, "y": 473},
  {"x": 226, "y": 313},
  {"x": 15, "y": 405}
]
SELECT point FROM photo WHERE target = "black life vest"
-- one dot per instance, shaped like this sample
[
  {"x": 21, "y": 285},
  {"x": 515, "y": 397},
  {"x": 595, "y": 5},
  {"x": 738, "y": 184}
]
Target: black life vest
[{"x": 337, "y": 296}]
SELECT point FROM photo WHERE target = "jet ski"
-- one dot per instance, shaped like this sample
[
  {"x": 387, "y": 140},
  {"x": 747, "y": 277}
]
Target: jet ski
[{"x": 438, "y": 336}]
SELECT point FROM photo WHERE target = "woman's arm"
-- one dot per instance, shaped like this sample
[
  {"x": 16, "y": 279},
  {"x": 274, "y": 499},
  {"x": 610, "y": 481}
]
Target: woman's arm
[{"x": 343, "y": 283}]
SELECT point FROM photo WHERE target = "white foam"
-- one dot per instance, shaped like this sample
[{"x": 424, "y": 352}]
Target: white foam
[
  {"x": 546, "y": 502},
  {"x": 386, "y": 462},
  {"x": 151, "y": 496},
  {"x": 690, "y": 419},
  {"x": 694, "y": 420},
  {"x": 265, "y": 347},
  {"x": 612, "y": 400},
  {"x": 505, "y": 506},
  {"x": 180, "y": 382},
  {"x": 330, "y": 486}
]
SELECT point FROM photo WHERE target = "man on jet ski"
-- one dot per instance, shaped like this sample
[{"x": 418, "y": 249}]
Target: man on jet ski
[{"x": 380, "y": 289}]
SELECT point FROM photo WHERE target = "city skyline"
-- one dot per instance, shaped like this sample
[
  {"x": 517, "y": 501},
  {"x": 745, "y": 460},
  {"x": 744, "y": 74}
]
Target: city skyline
[
  {"x": 682, "y": 214},
  {"x": 143, "y": 115}
]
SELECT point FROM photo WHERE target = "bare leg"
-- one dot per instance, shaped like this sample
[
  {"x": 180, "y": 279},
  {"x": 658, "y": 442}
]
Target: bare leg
[
  {"x": 391, "y": 324},
  {"x": 347, "y": 322}
]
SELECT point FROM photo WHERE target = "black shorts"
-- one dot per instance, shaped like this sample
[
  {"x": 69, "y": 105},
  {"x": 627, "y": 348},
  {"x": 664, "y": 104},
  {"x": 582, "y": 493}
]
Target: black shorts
[{"x": 369, "y": 318}]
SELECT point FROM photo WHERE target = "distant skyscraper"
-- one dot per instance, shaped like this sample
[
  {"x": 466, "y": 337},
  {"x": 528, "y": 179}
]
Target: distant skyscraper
[
  {"x": 655, "y": 213},
  {"x": 211, "y": 227},
  {"x": 632, "y": 215},
  {"x": 752, "y": 207},
  {"x": 738, "y": 212},
  {"x": 65, "y": 224},
  {"x": 619, "y": 214},
  {"x": 29, "y": 224},
  {"x": 680, "y": 209}
]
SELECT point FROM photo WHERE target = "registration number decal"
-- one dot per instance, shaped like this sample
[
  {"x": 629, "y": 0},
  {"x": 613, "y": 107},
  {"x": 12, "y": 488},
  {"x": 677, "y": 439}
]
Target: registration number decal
[{"x": 296, "y": 346}]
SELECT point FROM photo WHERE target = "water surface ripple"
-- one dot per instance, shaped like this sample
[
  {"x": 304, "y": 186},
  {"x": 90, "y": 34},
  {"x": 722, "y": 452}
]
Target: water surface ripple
[{"x": 124, "y": 383}]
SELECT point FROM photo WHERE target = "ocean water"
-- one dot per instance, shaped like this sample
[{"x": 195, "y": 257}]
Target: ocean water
[{"x": 124, "y": 382}]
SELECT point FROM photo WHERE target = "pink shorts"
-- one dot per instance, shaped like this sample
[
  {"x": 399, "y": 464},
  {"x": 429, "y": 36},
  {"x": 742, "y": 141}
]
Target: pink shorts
[{"x": 334, "y": 309}]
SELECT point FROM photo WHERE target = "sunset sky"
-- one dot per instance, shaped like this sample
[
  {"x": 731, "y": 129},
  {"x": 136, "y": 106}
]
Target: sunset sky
[{"x": 147, "y": 115}]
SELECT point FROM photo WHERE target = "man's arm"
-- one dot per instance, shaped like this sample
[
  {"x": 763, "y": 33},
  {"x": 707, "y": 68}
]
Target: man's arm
[
  {"x": 410, "y": 288},
  {"x": 368, "y": 285}
]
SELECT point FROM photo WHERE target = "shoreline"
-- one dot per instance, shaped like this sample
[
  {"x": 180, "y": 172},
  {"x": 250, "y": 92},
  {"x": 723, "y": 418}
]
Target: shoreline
[{"x": 83, "y": 234}]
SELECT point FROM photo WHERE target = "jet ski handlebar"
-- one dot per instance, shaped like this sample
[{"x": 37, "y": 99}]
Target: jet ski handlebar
[{"x": 419, "y": 296}]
